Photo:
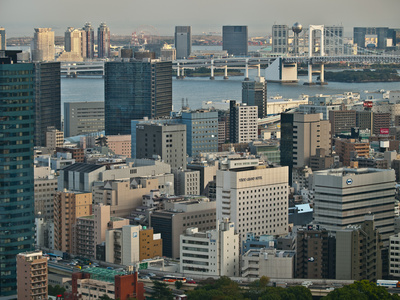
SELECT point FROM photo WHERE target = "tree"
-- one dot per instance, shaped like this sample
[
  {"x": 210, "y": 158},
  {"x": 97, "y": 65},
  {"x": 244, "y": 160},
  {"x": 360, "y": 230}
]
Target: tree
[
  {"x": 161, "y": 291},
  {"x": 361, "y": 290},
  {"x": 105, "y": 297},
  {"x": 56, "y": 290},
  {"x": 178, "y": 284}
]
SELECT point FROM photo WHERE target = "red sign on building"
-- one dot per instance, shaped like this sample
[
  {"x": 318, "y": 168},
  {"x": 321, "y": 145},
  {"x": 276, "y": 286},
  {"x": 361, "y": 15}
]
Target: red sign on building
[{"x": 384, "y": 130}]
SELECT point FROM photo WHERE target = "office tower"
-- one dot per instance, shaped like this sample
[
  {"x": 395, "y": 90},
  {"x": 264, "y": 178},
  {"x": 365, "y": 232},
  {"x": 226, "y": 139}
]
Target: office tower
[
  {"x": 344, "y": 196},
  {"x": 358, "y": 252},
  {"x": 43, "y": 45},
  {"x": 201, "y": 130},
  {"x": 218, "y": 255},
  {"x": 3, "y": 39},
  {"x": 342, "y": 121},
  {"x": 333, "y": 40},
  {"x": 17, "y": 123},
  {"x": 280, "y": 38},
  {"x": 165, "y": 140},
  {"x": 75, "y": 41},
  {"x": 134, "y": 90},
  {"x": 32, "y": 275},
  {"x": 183, "y": 41},
  {"x": 315, "y": 253},
  {"x": 45, "y": 189},
  {"x": 103, "y": 41},
  {"x": 83, "y": 117},
  {"x": 48, "y": 99},
  {"x": 235, "y": 40},
  {"x": 301, "y": 136},
  {"x": 373, "y": 36},
  {"x": 68, "y": 207},
  {"x": 177, "y": 216},
  {"x": 89, "y": 39},
  {"x": 254, "y": 93},
  {"x": 243, "y": 122},
  {"x": 254, "y": 196}
]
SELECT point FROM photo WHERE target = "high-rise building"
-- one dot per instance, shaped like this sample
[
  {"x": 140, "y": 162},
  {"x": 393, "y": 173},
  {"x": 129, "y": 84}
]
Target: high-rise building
[
  {"x": 301, "y": 136},
  {"x": 166, "y": 140},
  {"x": 243, "y": 122},
  {"x": 280, "y": 38},
  {"x": 342, "y": 121},
  {"x": 47, "y": 99},
  {"x": 17, "y": 123},
  {"x": 32, "y": 275},
  {"x": 333, "y": 40},
  {"x": 75, "y": 41},
  {"x": 365, "y": 36},
  {"x": 3, "y": 39},
  {"x": 183, "y": 41},
  {"x": 235, "y": 40},
  {"x": 344, "y": 196},
  {"x": 254, "y": 93},
  {"x": 359, "y": 252},
  {"x": 253, "y": 196},
  {"x": 89, "y": 39},
  {"x": 201, "y": 130},
  {"x": 68, "y": 207},
  {"x": 103, "y": 41},
  {"x": 134, "y": 90},
  {"x": 83, "y": 117},
  {"x": 43, "y": 45}
]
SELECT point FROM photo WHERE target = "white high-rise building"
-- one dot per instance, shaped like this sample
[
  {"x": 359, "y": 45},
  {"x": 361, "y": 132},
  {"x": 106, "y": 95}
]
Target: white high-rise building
[
  {"x": 243, "y": 122},
  {"x": 254, "y": 196},
  {"x": 43, "y": 45},
  {"x": 214, "y": 252}
]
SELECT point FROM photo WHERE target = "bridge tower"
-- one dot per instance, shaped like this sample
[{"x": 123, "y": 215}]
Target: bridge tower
[{"x": 311, "y": 48}]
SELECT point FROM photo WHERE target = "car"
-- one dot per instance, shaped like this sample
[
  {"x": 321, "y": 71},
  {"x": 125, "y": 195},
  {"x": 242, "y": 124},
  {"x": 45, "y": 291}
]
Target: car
[
  {"x": 143, "y": 276},
  {"x": 152, "y": 275},
  {"x": 190, "y": 281}
]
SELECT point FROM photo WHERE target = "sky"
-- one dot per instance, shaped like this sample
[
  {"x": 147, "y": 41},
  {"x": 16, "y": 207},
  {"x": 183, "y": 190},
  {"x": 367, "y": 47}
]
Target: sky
[{"x": 19, "y": 17}]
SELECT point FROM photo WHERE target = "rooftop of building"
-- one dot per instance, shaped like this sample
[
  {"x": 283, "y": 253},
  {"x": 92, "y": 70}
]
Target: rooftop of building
[
  {"x": 349, "y": 171},
  {"x": 103, "y": 274},
  {"x": 270, "y": 251},
  {"x": 82, "y": 167}
]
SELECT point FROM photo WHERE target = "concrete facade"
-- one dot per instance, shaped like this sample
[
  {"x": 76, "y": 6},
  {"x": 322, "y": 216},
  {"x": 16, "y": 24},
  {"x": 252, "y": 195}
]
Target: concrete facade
[
  {"x": 214, "y": 252},
  {"x": 344, "y": 196},
  {"x": 187, "y": 182},
  {"x": 45, "y": 189},
  {"x": 254, "y": 198},
  {"x": 243, "y": 122},
  {"x": 83, "y": 117},
  {"x": 43, "y": 45},
  {"x": 280, "y": 38},
  {"x": 120, "y": 144}
]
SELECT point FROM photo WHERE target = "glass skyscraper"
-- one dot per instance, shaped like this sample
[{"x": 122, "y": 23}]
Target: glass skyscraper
[
  {"x": 17, "y": 123},
  {"x": 134, "y": 90},
  {"x": 235, "y": 40}
]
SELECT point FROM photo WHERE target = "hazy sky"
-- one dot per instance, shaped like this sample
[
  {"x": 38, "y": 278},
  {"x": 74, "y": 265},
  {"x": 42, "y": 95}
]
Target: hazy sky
[{"x": 19, "y": 17}]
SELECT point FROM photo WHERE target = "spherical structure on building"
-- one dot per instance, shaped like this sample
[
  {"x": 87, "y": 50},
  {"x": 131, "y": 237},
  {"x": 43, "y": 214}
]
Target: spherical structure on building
[{"x": 297, "y": 27}]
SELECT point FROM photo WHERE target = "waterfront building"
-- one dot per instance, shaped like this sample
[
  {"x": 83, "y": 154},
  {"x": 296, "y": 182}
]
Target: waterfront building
[
  {"x": 83, "y": 118},
  {"x": 43, "y": 45},
  {"x": 333, "y": 40},
  {"x": 280, "y": 38},
  {"x": 17, "y": 128},
  {"x": 75, "y": 41},
  {"x": 183, "y": 41},
  {"x": 254, "y": 93},
  {"x": 103, "y": 41},
  {"x": 344, "y": 196},
  {"x": 3, "y": 39},
  {"x": 32, "y": 275},
  {"x": 235, "y": 40},
  {"x": 89, "y": 40},
  {"x": 47, "y": 99},
  {"x": 243, "y": 122},
  {"x": 211, "y": 253},
  {"x": 144, "y": 90},
  {"x": 254, "y": 196},
  {"x": 365, "y": 36},
  {"x": 165, "y": 140}
]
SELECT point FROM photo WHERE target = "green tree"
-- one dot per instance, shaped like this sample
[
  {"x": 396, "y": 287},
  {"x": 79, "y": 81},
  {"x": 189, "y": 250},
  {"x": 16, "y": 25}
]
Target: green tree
[
  {"x": 56, "y": 290},
  {"x": 105, "y": 297},
  {"x": 161, "y": 291},
  {"x": 361, "y": 290},
  {"x": 178, "y": 284}
]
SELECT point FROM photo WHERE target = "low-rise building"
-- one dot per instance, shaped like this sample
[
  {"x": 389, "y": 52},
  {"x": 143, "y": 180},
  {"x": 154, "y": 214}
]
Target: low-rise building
[{"x": 214, "y": 252}]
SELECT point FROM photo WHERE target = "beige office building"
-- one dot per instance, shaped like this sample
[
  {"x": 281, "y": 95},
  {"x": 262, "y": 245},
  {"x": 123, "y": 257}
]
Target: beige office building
[
  {"x": 54, "y": 138},
  {"x": 43, "y": 45},
  {"x": 120, "y": 144},
  {"x": 254, "y": 197},
  {"x": 31, "y": 276},
  {"x": 45, "y": 189},
  {"x": 68, "y": 207}
]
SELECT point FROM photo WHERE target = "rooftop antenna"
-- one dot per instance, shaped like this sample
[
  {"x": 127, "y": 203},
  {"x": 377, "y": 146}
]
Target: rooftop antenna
[{"x": 187, "y": 103}]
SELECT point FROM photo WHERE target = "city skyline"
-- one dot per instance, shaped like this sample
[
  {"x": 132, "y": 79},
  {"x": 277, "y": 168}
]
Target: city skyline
[{"x": 127, "y": 16}]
